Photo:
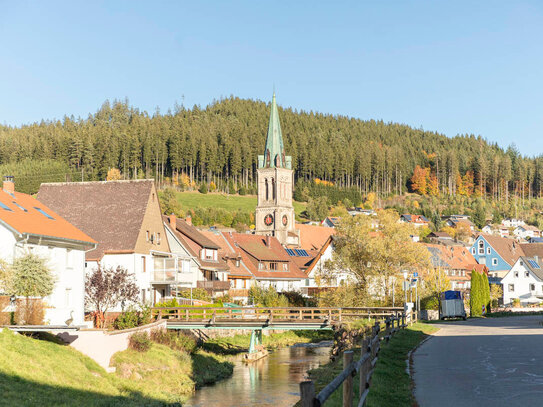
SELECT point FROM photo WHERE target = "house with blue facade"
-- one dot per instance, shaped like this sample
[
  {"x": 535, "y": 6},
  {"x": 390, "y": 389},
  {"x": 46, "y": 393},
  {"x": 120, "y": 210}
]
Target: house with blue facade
[{"x": 499, "y": 254}]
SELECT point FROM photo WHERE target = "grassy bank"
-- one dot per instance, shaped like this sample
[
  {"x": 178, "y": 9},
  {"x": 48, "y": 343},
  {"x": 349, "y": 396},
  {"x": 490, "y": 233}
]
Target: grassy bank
[
  {"x": 391, "y": 385},
  {"x": 35, "y": 372},
  {"x": 176, "y": 374},
  {"x": 240, "y": 343},
  {"x": 38, "y": 372}
]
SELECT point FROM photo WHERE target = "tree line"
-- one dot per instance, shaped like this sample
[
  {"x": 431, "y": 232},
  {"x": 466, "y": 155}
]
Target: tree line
[{"x": 220, "y": 144}]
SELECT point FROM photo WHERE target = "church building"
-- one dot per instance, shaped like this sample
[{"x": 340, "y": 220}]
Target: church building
[{"x": 274, "y": 212}]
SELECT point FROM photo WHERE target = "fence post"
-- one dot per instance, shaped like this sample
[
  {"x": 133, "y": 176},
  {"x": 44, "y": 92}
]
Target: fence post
[
  {"x": 364, "y": 367},
  {"x": 403, "y": 319},
  {"x": 387, "y": 329},
  {"x": 348, "y": 383},
  {"x": 307, "y": 393}
]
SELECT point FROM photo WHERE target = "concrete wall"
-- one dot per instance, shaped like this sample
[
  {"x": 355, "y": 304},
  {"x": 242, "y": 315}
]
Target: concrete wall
[{"x": 102, "y": 345}]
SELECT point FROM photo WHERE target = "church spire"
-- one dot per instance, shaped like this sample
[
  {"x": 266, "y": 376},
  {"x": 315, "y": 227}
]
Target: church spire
[{"x": 274, "y": 153}]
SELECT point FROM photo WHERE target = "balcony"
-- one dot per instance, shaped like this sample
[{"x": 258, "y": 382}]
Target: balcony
[
  {"x": 165, "y": 270},
  {"x": 215, "y": 285},
  {"x": 238, "y": 292}
]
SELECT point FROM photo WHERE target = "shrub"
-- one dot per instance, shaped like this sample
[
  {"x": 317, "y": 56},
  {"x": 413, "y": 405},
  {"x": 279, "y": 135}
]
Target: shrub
[
  {"x": 174, "y": 340},
  {"x": 132, "y": 318},
  {"x": 203, "y": 188},
  {"x": 429, "y": 303},
  {"x": 295, "y": 299},
  {"x": 5, "y": 317},
  {"x": 29, "y": 311},
  {"x": 516, "y": 302},
  {"x": 197, "y": 294},
  {"x": 139, "y": 341}
]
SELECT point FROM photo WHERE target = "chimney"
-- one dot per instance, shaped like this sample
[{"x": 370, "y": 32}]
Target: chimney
[
  {"x": 188, "y": 219},
  {"x": 9, "y": 184},
  {"x": 173, "y": 221},
  {"x": 268, "y": 240}
]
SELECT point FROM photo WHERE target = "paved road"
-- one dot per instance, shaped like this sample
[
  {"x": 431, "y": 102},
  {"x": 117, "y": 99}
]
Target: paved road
[{"x": 482, "y": 362}]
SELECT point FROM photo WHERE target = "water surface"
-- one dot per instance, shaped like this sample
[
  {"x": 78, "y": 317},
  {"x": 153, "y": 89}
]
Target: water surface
[{"x": 271, "y": 381}]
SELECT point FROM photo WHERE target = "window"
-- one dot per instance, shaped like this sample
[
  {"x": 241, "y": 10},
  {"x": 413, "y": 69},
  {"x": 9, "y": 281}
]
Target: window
[
  {"x": 3, "y": 206},
  {"x": 185, "y": 266},
  {"x": 285, "y": 266},
  {"x": 158, "y": 238},
  {"x": 19, "y": 206},
  {"x": 511, "y": 288},
  {"x": 273, "y": 266},
  {"x": 209, "y": 254},
  {"x": 260, "y": 265},
  {"x": 44, "y": 213},
  {"x": 481, "y": 247},
  {"x": 307, "y": 282},
  {"x": 147, "y": 235},
  {"x": 143, "y": 264},
  {"x": 68, "y": 297},
  {"x": 69, "y": 259},
  {"x": 473, "y": 250},
  {"x": 237, "y": 263},
  {"x": 526, "y": 274},
  {"x": 143, "y": 295},
  {"x": 532, "y": 287},
  {"x": 494, "y": 261},
  {"x": 453, "y": 272},
  {"x": 516, "y": 273},
  {"x": 488, "y": 250}
]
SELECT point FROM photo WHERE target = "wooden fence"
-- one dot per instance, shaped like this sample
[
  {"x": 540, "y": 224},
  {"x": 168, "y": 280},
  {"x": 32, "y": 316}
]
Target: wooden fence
[
  {"x": 283, "y": 314},
  {"x": 364, "y": 367}
]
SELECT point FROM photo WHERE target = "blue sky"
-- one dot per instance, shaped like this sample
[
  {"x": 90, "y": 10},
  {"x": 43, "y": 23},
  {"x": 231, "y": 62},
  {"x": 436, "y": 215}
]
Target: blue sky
[{"x": 454, "y": 67}]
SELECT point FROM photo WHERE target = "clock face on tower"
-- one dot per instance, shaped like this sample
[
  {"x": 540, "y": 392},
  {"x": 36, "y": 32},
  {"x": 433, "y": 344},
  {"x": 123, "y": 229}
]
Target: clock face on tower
[
  {"x": 268, "y": 219},
  {"x": 285, "y": 220}
]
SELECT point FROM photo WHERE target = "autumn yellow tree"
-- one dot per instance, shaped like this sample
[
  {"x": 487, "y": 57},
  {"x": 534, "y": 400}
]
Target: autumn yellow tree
[
  {"x": 372, "y": 256},
  {"x": 419, "y": 180},
  {"x": 113, "y": 175}
]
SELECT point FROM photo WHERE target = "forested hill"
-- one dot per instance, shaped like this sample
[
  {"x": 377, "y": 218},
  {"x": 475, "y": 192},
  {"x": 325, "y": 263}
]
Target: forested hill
[{"x": 223, "y": 140}]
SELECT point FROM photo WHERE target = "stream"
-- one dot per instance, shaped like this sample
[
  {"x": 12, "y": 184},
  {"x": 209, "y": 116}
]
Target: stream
[{"x": 271, "y": 381}]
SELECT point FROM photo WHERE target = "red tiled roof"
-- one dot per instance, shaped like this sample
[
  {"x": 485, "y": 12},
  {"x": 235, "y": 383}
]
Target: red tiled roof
[
  {"x": 314, "y": 237},
  {"x": 194, "y": 240},
  {"x": 228, "y": 254},
  {"x": 32, "y": 221},
  {"x": 253, "y": 249}
]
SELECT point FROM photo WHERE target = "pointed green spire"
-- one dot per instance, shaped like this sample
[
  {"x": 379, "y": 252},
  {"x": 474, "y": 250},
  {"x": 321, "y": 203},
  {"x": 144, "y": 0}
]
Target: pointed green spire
[{"x": 274, "y": 153}]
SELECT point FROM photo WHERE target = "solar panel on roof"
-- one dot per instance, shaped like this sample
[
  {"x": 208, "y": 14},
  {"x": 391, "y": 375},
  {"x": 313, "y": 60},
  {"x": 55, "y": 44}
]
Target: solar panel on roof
[
  {"x": 533, "y": 264},
  {"x": 301, "y": 253},
  {"x": 290, "y": 252}
]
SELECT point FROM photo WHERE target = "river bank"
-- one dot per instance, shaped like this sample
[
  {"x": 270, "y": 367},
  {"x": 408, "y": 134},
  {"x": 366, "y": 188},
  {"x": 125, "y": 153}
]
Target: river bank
[
  {"x": 271, "y": 381},
  {"x": 57, "y": 375}
]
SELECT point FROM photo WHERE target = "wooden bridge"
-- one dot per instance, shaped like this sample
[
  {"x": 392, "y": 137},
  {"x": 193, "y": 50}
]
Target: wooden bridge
[
  {"x": 258, "y": 319},
  {"x": 270, "y": 318}
]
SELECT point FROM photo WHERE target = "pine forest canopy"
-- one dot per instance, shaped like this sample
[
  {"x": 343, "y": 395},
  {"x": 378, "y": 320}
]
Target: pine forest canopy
[{"x": 223, "y": 141}]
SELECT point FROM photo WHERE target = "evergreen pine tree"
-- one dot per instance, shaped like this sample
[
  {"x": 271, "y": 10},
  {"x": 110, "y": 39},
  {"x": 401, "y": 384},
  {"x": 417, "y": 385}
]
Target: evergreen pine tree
[{"x": 485, "y": 289}]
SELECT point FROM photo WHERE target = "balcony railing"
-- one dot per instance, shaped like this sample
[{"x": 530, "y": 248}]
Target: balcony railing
[
  {"x": 214, "y": 285},
  {"x": 165, "y": 270}
]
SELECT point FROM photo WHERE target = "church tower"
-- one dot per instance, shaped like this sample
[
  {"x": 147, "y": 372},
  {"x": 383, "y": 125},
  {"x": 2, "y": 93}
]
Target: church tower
[{"x": 274, "y": 212}]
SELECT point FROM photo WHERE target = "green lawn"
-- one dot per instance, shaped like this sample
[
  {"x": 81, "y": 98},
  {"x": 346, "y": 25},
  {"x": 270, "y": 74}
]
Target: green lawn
[
  {"x": 391, "y": 385},
  {"x": 232, "y": 203},
  {"x": 39, "y": 372}
]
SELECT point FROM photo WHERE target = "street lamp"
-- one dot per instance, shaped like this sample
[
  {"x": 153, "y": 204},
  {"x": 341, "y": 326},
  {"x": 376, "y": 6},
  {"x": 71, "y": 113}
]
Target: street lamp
[{"x": 405, "y": 274}]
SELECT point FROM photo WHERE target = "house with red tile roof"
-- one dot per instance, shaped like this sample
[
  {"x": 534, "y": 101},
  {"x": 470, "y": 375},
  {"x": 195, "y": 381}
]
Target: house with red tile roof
[
  {"x": 202, "y": 265},
  {"x": 416, "y": 220},
  {"x": 456, "y": 261},
  {"x": 29, "y": 226},
  {"x": 125, "y": 218},
  {"x": 267, "y": 260}
]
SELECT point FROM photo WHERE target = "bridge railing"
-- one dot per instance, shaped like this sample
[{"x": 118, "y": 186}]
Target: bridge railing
[
  {"x": 277, "y": 314},
  {"x": 364, "y": 367}
]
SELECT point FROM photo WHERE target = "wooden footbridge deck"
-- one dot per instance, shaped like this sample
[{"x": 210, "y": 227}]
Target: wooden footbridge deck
[{"x": 267, "y": 318}]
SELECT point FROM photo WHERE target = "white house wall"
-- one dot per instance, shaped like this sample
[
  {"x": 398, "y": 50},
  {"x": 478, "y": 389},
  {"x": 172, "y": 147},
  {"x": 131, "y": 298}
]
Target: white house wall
[
  {"x": 67, "y": 267},
  {"x": 521, "y": 286}
]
